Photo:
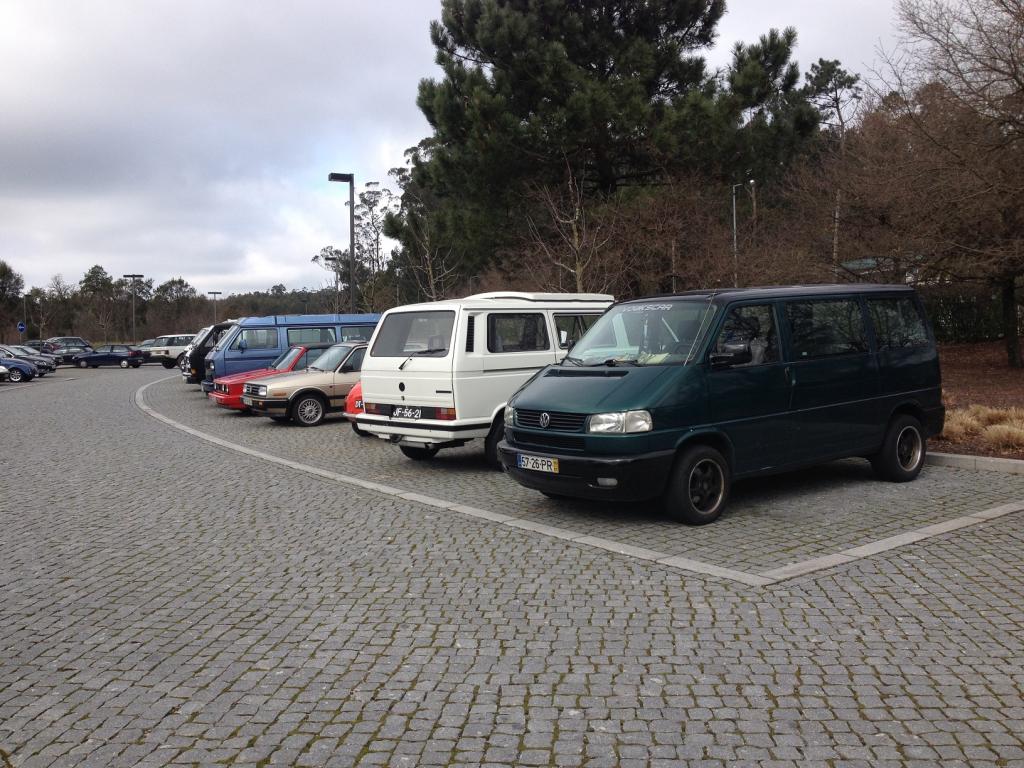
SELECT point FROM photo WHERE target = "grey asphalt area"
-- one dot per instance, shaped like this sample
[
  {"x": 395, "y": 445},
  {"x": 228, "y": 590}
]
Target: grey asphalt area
[{"x": 165, "y": 600}]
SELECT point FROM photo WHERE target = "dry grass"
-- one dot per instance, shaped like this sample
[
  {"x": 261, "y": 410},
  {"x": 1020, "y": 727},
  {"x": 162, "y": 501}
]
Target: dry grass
[{"x": 993, "y": 427}]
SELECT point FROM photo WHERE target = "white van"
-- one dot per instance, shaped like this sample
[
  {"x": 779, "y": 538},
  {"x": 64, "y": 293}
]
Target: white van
[{"x": 438, "y": 375}]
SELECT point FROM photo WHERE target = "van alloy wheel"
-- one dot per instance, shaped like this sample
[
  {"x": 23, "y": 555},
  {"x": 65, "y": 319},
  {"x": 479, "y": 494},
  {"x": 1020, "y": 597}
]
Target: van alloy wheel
[
  {"x": 903, "y": 451},
  {"x": 308, "y": 411},
  {"x": 698, "y": 488}
]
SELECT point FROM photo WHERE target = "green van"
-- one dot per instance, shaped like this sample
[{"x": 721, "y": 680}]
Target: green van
[{"x": 678, "y": 396}]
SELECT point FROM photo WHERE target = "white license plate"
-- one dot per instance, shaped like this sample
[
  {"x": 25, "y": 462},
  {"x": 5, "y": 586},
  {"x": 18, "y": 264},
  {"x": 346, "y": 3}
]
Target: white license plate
[
  {"x": 537, "y": 463},
  {"x": 406, "y": 412},
  {"x": 247, "y": 401}
]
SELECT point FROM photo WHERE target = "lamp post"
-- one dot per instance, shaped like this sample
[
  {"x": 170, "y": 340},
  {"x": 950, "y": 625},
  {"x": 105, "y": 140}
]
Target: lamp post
[
  {"x": 735, "y": 246},
  {"x": 351, "y": 179},
  {"x": 215, "y": 294},
  {"x": 133, "y": 278}
]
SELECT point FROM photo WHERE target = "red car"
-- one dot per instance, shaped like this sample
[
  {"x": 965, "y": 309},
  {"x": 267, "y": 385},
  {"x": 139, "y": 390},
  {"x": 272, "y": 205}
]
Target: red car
[
  {"x": 227, "y": 390},
  {"x": 354, "y": 407}
]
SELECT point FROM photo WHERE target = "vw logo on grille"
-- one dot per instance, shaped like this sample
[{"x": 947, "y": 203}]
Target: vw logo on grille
[{"x": 545, "y": 420}]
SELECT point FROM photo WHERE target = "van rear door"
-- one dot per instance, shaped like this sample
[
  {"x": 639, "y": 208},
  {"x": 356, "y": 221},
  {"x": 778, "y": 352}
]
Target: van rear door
[{"x": 409, "y": 364}]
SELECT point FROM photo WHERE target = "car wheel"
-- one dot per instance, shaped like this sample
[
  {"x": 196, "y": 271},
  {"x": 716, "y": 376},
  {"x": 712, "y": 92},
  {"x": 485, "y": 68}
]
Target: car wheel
[
  {"x": 903, "y": 451},
  {"x": 491, "y": 444},
  {"x": 177, "y": 361},
  {"x": 361, "y": 432},
  {"x": 124, "y": 363},
  {"x": 418, "y": 454},
  {"x": 82, "y": 364},
  {"x": 15, "y": 375},
  {"x": 698, "y": 488},
  {"x": 308, "y": 410}
]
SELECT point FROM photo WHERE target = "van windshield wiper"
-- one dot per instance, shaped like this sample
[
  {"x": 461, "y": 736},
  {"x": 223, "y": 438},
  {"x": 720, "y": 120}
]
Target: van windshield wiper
[
  {"x": 611, "y": 362},
  {"x": 573, "y": 360},
  {"x": 420, "y": 353}
]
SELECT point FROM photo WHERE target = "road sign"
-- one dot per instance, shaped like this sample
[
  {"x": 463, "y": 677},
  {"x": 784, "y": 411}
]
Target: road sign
[{"x": 21, "y": 326}]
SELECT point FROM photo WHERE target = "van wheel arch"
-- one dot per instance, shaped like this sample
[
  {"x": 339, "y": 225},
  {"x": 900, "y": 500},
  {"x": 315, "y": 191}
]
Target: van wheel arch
[{"x": 715, "y": 440}]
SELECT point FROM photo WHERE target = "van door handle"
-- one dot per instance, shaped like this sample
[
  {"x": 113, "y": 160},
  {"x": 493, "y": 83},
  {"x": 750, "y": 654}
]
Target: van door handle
[{"x": 790, "y": 378}]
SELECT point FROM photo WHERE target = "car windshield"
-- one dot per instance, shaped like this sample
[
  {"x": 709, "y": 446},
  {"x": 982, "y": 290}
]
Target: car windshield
[
  {"x": 656, "y": 332},
  {"x": 332, "y": 358},
  {"x": 423, "y": 334},
  {"x": 284, "y": 362},
  {"x": 26, "y": 350}
]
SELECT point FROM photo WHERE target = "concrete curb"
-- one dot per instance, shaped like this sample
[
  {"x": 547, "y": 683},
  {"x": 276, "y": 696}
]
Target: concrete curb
[{"x": 986, "y": 463}]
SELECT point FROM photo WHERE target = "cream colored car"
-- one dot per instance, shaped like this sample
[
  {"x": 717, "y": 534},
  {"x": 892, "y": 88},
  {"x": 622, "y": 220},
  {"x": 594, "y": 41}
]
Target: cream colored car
[{"x": 307, "y": 396}]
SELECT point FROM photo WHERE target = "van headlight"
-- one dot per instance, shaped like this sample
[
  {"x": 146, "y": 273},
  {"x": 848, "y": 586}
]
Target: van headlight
[
  {"x": 623, "y": 422},
  {"x": 510, "y": 416},
  {"x": 262, "y": 391}
]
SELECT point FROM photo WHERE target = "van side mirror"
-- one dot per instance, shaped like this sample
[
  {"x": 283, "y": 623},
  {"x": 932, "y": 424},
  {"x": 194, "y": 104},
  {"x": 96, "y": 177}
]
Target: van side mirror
[
  {"x": 243, "y": 345},
  {"x": 732, "y": 353}
]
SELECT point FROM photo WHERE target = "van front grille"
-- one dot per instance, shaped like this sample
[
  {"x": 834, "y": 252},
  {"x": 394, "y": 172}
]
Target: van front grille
[
  {"x": 560, "y": 422},
  {"x": 547, "y": 440}
]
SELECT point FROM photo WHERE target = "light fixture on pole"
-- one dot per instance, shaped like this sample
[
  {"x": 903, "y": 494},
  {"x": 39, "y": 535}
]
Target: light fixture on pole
[
  {"x": 133, "y": 278},
  {"x": 351, "y": 179},
  {"x": 215, "y": 294}
]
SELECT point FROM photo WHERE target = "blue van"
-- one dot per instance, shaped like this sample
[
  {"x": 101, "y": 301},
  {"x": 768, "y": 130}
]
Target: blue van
[
  {"x": 255, "y": 342},
  {"x": 677, "y": 396}
]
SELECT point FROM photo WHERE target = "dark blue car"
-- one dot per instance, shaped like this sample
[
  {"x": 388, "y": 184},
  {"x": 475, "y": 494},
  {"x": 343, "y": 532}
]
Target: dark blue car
[
  {"x": 109, "y": 354},
  {"x": 19, "y": 370}
]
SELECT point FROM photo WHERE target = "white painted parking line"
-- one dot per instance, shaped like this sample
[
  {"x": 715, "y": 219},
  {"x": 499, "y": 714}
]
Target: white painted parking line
[{"x": 767, "y": 578}]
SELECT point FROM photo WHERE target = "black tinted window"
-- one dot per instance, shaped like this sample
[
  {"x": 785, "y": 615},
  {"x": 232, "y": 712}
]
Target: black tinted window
[
  {"x": 825, "y": 328},
  {"x": 898, "y": 323},
  {"x": 750, "y": 329},
  {"x": 518, "y": 332}
]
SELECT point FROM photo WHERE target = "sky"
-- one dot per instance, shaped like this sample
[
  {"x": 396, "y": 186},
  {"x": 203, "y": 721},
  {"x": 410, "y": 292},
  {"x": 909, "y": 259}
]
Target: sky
[{"x": 193, "y": 139}]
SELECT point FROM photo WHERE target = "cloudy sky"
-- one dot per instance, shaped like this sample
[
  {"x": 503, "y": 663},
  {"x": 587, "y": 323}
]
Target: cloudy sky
[{"x": 193, "y": 138}]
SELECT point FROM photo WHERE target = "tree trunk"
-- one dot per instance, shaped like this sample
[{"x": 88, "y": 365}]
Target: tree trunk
[{"x": 1010, "y": 329}]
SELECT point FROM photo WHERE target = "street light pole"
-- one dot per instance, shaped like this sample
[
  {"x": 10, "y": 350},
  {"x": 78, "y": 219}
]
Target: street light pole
[
  {"x": 351, "y": 179},
  {"x": 215, "y": 294},
  {"x": 133, "y": 278}
]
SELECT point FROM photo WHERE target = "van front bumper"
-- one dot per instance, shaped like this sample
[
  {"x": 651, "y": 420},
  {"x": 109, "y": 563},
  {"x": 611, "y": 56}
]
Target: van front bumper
[{"x": 636, "y": 478}]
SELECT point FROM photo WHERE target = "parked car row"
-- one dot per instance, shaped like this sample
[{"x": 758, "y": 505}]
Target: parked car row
[{"x": 671, "y": 398}]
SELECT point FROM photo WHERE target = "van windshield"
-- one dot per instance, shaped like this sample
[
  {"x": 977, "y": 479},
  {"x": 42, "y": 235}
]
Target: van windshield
[
  {"x": 226, "y": 337},
  {"x": 645, "y": 333},
  {"x": 423, "y": 334}
]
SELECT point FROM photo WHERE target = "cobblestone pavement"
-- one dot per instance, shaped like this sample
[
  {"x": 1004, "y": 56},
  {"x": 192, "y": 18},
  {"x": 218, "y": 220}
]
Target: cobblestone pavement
[
  {"x": 165, "y": 601},
  {"x": 770, "y": 523}
]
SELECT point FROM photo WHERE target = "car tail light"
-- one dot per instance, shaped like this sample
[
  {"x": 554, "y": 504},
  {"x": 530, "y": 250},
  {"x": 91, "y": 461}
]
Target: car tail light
[
  {"x": 444, "y": 414},
  {"x": 371, "y": 408}
]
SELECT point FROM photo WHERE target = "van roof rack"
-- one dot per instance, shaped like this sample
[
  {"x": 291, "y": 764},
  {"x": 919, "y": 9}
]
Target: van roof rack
[{"x": 524, "y": 296}]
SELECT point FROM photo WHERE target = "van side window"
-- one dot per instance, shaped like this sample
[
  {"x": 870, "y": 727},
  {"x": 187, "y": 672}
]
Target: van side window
[
  {"x": 570, "y": 328},
  {"x": 516, "y": 332},
  {"x": 310, "y": 336},
  {"x": 356, "y": 332},
  {"x": 754, "y": 327},
  {"x": 257, "y": 338},
  {"x": 898, "y": 323},
  {"x": 826, "y": 328}
]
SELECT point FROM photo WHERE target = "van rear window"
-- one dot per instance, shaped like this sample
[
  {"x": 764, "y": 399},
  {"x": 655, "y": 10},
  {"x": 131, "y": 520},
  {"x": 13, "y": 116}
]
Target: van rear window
[{"x": 425, "y": 334}]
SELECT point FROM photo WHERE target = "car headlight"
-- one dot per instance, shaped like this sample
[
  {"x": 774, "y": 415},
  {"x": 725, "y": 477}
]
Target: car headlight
[
  {"x": 622, "y": 422},
  {"x": 510, "y": 416},
  {"x": 262, "y": 391}
]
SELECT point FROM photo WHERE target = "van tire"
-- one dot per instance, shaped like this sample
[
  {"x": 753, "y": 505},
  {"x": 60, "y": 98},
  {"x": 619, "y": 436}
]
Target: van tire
[
  {"x": 491, "y": 443},
  {"x": 309, "y": 410},
  {"x": 418, "y": 454},
  {"x": 698, "y": 488},
  {"x": 903, "y": 451}
]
